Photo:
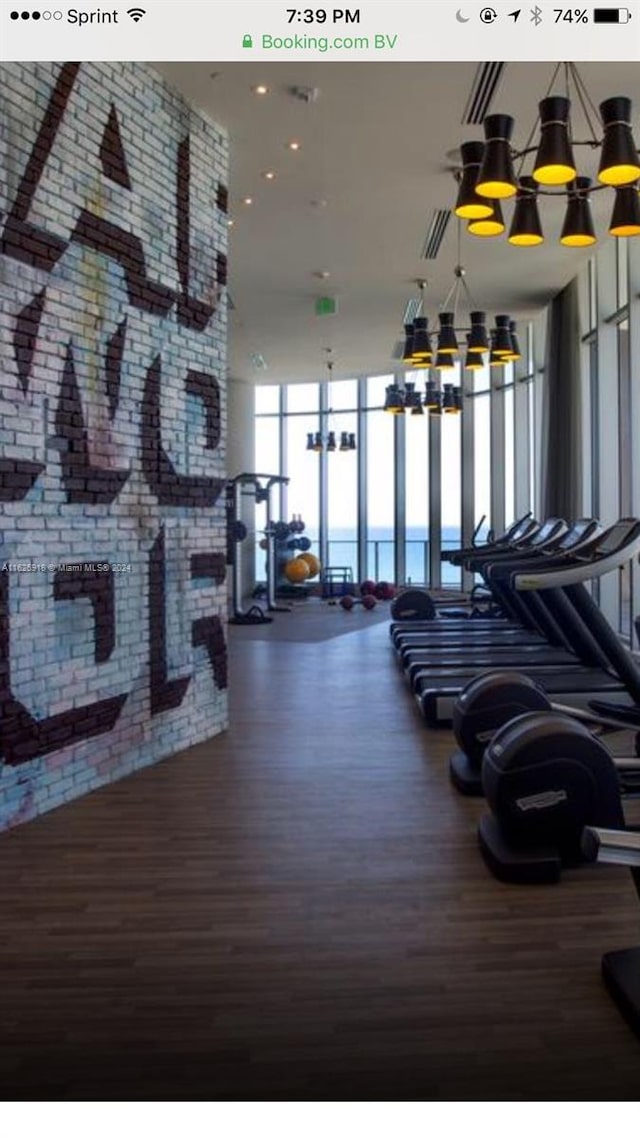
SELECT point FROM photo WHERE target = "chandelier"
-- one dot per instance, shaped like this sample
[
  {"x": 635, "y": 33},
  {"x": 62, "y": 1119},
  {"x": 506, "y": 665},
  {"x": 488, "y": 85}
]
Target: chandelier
[
  {"x": 317, "y": 441},
  {"x": 488, "y": 175},
  {"x": 499, "y": 343}
]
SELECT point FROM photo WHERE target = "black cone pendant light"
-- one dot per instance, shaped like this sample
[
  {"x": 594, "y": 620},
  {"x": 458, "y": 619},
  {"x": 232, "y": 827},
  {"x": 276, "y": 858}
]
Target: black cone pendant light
[
  {"x": 578, "y": 229},
  {"x": 432, "y": 396},
  {"x": 473, "y": 359},
  {"x": 502, "y": 345},
  {"x": 554, "y": 164},
  {"x": 619, "y": 159},
  {"x": 497, "y": 178},
  {"x": 552, "y": 147},
  {"x": 469, "y": 204},
  {"x": 449, "y": 400},
  {"x": 447, "y": 342},
  {"x": 625, "y": 219},
  {"x": 488, "y": 226},
  {"x": 478, "y": 339},
  {"x": 421, "y": 349},
  {"x": 526, "y": 229}
]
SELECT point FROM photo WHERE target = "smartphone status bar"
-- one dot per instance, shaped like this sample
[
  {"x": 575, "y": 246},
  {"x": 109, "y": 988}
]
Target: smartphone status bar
[{"x": 402, "y": 30}]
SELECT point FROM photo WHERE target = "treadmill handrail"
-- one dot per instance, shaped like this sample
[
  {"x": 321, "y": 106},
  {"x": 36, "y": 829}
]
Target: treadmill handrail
[
  {"x": 555, "y": 557},
  {"x": 539, "y": 542},
  {"x": 532, "y": 528},
  {"x": 576, "y": 574}
]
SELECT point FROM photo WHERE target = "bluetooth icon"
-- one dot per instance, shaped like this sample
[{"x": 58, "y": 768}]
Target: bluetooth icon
[{"x": 536, "y": 15}]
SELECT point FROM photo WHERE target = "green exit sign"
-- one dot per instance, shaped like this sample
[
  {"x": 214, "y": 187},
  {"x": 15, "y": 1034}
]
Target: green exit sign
[{"x": 326, "y": 306}]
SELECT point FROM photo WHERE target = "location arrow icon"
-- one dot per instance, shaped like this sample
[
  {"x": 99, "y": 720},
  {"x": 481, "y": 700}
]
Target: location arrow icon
[{"x": 514, "y": 15}]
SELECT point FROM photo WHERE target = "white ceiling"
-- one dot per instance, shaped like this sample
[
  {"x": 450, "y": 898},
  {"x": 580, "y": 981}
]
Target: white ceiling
[{"x": 374, "y": 148}]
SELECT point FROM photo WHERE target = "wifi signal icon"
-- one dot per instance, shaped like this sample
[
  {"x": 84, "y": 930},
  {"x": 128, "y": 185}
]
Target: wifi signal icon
[{"x": 136, "y": 14}]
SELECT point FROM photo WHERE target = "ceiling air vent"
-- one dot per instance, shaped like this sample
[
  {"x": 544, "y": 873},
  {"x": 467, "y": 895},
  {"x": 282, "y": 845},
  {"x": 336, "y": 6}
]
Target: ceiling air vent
[
  {"x": 437, "y": 230},
  {"x": 485, "y": 84}
]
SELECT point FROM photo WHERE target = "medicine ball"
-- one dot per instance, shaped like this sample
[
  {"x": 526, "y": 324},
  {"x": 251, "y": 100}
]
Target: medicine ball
[
  {"x": 304, "y": 544},
  {"x": 347, "y": 603},
  {"x": 413, "y": 604},
  {"x": 369, "y": 602},
  {"x": 367, "y": 588}
]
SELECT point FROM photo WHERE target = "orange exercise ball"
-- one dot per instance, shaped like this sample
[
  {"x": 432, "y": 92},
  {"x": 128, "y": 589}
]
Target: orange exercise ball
[
  {"x": 312, "y": 562},
  {"x": 296, "y": 571}
]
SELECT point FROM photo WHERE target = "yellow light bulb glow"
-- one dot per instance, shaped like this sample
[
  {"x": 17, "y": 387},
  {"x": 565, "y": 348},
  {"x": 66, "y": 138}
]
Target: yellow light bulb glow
[
  {"x": 496, "y": 189},
  {"x": 625, "y": 231},
  {"x": 526, "y": 239},
  {"x": 619, "y": 175},
  {"x": 471, "y": 211},
  {"x": 554, "y": 174},
  {"x": 488, "y": 227},
  {"x": 578, "y": 240}
]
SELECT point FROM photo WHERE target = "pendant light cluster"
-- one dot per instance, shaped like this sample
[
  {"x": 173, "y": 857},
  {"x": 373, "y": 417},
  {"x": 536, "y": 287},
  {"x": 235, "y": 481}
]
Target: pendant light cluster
[
  {"x": 436, "y": 401},
  {"x": 500, "y": 343},
  {"x": 488, "y": 174},
  {"x": 318, "y": 442}
]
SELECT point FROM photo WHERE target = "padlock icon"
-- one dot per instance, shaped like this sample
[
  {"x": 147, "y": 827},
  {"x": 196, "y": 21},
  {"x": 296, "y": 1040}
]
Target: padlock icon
[{"x": 247, "y": 41}]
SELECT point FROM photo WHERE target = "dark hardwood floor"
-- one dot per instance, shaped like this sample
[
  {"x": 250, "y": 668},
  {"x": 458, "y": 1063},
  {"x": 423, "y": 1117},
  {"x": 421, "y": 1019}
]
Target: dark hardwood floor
[{"x": 297, "y": 910}]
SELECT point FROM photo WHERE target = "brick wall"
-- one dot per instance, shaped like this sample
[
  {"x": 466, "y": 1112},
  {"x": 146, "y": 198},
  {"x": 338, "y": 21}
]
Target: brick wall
[{"x": 112, "y": 427}]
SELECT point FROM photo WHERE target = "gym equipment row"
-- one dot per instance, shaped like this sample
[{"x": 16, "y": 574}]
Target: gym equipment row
[
  {"x": 552, "y": 628},
  {"x": 555, "y": 794}
]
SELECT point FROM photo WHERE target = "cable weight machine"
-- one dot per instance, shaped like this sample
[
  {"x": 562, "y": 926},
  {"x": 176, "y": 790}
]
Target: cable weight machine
[{"x": 259, "y": 487}]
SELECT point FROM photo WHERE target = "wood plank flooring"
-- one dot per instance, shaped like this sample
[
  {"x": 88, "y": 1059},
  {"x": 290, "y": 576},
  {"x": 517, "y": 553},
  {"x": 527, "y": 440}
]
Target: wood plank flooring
[{"x": 297, "y": 910}]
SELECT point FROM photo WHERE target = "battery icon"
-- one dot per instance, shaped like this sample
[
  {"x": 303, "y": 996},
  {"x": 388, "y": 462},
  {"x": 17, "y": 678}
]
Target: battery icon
[{"x": 611, "y": 15}]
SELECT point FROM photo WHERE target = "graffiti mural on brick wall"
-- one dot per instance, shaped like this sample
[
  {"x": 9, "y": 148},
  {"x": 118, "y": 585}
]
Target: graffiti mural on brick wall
[{"x": 113, "y": 258}]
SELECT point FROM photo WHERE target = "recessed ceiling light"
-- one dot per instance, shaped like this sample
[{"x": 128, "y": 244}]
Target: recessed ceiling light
[
  {"x": 260, "y": 89},
  {"x": 231, "y": 223},
  {"x": 322, "y": 275},
  {"x": 247, "y": 201},
  {"x": 269, "y": 175},
  {"x": 319, "y": 203},
  {"x": 293, "y": 144}
]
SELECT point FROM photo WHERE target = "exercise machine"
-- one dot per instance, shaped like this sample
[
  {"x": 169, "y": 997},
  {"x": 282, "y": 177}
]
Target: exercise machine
[
  {"x": 259, "y": 487},
  {"x": 621, "y": 969},
  {"x": 493, "y": 699}
]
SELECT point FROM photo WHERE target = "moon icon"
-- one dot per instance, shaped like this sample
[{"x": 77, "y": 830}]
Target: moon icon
[{"x": 460, "y": 18}]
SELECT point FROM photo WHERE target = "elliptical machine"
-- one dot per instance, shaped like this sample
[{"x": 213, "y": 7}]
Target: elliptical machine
[
  {"x": 236, "y": 533},
  {"x": 545, "y": 778}
]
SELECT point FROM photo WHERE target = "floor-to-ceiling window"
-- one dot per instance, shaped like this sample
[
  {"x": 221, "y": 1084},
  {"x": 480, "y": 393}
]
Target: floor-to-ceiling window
[
  {"x": 268, "y": 458},
  {"x": 381, "y": 482},
  {"x": 342, "y": 476},
  {"x": 625, "y": 451},
  {"x": 509, "y": 453},
  {"x": 450, "y": 481},
  {"x": 368, "y": 507},
  {"x": 417, "y": 492},
  {"x": 480, "y": 406},
  {"x": 301, "y": 464}
]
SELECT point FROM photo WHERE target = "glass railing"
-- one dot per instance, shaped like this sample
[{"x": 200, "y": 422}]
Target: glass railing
[{"x": 381, "y": 560}]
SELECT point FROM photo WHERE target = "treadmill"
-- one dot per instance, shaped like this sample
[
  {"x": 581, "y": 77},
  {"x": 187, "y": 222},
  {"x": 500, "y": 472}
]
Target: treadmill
[
  {"x": 608, "y": 668},
  {"x": 530, "y": 622},
  {"x": 518, "y": 535}
]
